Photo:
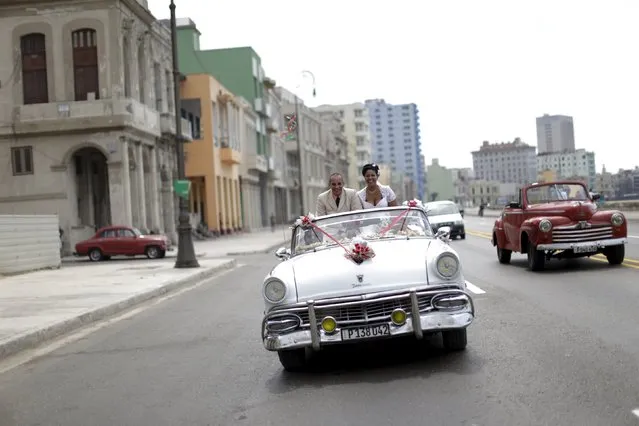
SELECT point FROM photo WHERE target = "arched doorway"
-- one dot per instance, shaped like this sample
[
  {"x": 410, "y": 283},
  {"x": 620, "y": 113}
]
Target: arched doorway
[{"x": 92, "y": 187}]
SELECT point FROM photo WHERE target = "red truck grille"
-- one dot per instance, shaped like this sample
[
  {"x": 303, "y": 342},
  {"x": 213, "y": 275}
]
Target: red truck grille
[{"x": 576, "y": 235}]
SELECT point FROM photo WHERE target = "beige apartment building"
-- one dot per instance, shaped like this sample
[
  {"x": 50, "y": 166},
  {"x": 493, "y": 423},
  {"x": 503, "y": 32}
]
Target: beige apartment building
[
  {"x": 87, "y": 119},
  {"x": 356, "y": 129}
]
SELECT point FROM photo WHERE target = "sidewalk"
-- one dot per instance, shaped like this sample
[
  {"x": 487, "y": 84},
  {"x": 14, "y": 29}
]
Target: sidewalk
[{"x": 40, "y": 306}]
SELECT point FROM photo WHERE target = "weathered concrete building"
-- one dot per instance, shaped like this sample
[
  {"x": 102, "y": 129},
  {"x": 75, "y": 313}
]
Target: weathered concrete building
[{"x": 87, "y": 115}]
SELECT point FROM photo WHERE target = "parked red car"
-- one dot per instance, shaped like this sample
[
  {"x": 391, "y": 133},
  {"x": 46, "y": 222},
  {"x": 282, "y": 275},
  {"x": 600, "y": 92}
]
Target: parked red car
[
  {"x": 559, "y": 220},
  {"x": 122, "y": 240}
]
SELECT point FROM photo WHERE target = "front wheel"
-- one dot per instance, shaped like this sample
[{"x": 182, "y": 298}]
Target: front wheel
[
  {"x": 615, "y": 254},
  {"x": 455, "y": 340},
  {"x": 152, "y": 252},
  {"x": 536, "y": 258},
  {"x": 95, "y": 255},
  {"x": 293, "y": 360},
  {"x": 503, "y": 255}
]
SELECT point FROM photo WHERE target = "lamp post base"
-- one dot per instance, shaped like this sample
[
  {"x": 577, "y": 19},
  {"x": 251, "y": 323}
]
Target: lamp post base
[{"x": 186, "y": 252}]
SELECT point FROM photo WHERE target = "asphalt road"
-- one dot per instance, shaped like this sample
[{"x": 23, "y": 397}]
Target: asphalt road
[
  {"x": 484, "y": 225},
  {"x": 557, "y": 348}
]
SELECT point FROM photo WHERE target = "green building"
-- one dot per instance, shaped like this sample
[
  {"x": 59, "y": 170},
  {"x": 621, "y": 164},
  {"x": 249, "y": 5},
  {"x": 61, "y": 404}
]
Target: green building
[{"x": 239, "y": 69}]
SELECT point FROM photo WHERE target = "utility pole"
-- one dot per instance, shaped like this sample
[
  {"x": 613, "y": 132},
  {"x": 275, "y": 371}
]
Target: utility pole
[{"x": 186, "y": 251}]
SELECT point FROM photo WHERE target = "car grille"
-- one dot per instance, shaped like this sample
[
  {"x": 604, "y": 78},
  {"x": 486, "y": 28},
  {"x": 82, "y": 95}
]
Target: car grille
[
  {"x": 368, "y": 311},
  {"x": 576, "y": 235}
]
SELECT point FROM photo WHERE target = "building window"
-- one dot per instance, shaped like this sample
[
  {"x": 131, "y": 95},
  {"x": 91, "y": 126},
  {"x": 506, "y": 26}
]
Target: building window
[
  {"x": 85, "y": 64},
  {"x": 22, "y": 160},
  {"x": 126, "y": 55},
  {"x": 35, "y": 88},
  {"x": 142, "y": 71}
]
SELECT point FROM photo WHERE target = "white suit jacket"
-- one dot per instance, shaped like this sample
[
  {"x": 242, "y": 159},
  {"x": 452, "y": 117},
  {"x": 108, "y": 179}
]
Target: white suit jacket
[{"x": 349, "y": 201}]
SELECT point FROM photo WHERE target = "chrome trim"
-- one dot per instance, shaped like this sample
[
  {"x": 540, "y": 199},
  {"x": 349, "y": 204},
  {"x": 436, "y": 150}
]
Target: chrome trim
[
  {"x": 437, "y": 299},
  {"x": 571, "y": 246},
  {"x": 414, "y": 313},
  {"x": 315, "y": 340}
]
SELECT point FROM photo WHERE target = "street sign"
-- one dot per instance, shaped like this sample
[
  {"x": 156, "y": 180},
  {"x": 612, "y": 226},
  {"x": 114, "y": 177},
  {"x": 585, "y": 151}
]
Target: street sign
[{"x": 182, "y": 188}]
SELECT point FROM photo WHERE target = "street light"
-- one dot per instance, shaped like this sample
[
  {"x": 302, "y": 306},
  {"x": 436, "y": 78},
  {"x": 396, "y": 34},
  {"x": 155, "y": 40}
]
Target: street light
[
  {"x": 186, "y": 251},
  {"x": 299, "y": 143}
]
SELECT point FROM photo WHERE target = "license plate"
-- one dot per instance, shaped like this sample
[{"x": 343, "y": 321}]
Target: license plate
[
  {"x": 366, "y": 332},
  {"x": 585, "y": 249}
]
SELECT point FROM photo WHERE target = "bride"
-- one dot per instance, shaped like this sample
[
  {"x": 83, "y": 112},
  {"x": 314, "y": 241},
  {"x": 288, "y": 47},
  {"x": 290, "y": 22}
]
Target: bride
[{"x": 375, "y": 195}]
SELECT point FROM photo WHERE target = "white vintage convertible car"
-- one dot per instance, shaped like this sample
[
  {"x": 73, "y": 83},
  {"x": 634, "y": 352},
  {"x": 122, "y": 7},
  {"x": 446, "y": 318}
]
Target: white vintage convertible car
[{"x": 361, "y": 275}]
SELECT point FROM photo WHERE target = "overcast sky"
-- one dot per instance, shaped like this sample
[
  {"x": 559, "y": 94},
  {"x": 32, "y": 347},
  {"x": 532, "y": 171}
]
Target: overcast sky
[{"x": 477, "y": 69}]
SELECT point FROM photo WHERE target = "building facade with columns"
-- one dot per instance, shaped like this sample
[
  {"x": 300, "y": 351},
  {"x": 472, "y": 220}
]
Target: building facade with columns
[
  {"x": 87, "y": 119},
  {"x": 213, "y": 158}
]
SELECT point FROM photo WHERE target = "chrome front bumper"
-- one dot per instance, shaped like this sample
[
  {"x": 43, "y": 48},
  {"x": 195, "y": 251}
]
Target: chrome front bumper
[
  {"x": 416, "y": 324},
  {"x": 571, "y": 246}
]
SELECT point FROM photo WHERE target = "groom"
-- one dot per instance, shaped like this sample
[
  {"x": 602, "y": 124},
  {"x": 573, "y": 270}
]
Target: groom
[{"x": 337, "y": 199}]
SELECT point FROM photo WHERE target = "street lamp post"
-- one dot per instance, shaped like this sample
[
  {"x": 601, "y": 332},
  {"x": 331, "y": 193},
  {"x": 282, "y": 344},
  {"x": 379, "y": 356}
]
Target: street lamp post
[
  {"x": 186, "y": 251},
  {"x": 299, "y": 143}
]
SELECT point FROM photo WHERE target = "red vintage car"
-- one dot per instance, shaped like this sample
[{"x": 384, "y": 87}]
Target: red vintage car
[
  {"x": 559, "y": 220},
  {"x": 122, "y": 240}
]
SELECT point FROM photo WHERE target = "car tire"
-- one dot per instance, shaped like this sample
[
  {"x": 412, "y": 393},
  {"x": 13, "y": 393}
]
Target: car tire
[
  {"x": 462, "y": 236},
  {"x": 95, "y": 255},
  {"x": 293, "y": 360},
  {"x": 504, "y": 255},
  {"x": 536, "y": 259},
  {"x": 615, "y": 254},
  {"x": 153, "y": 252},
  {"x": 162, "y": 254},
  {"x": 455, "y": 340}
]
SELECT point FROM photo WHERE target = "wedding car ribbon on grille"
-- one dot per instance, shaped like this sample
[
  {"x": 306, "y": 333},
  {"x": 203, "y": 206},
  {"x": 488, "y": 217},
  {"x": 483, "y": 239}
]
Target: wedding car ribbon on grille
[
  {"x": 411, "y": 204},
  {"x": 358, "y": 251}
]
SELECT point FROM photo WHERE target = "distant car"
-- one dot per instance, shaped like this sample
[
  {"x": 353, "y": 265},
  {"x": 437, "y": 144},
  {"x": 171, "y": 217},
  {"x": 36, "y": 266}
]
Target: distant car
[
  {"x": 122, "y": 240},
  {"x": 559, "y": 220},
  {"x": 446, "y": 213},
  {"x": 405, "y": 281}
]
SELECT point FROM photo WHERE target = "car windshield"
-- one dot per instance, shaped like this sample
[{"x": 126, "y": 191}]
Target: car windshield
[
  {"x": 556, "y": 192},
  {"x": 441, "y": 209},
  {"x": 366, "y": 224}
]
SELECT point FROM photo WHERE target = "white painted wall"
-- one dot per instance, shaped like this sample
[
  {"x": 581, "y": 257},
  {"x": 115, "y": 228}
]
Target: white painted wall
[{"x": 28, "y": 243}]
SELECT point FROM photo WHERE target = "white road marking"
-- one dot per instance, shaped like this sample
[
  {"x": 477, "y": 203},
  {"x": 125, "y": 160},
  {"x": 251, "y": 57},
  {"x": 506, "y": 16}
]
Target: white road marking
[
  {"x": 633, "y": 236},
  {"x": 473, "y": 288},
  {"x": 636, "y": 412}
]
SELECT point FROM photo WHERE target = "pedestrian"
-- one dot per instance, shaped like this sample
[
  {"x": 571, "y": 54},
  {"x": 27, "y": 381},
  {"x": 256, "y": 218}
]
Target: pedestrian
[{"x": 337, "y": 199}]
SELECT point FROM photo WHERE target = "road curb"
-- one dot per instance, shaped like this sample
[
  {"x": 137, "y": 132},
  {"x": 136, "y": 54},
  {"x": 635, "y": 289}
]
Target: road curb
[
  {"x": 36, "y": 338},
  {"x": 262, "y": 251}
]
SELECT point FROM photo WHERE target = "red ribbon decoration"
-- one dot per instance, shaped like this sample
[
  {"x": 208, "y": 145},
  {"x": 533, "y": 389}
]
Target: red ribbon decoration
[
  {"x": 306, "y": 221},
  {"x": 360, "y": 253},
  {"x": 411, "y": 204}
]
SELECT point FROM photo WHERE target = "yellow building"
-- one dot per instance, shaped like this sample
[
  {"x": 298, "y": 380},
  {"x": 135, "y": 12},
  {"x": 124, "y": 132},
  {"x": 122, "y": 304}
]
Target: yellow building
[{"x": 213, "y": 158}]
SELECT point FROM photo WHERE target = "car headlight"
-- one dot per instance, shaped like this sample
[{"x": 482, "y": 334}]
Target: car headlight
[
  {"x": 617, "y": 219},
  {"x": 545, "y": 225},
  {"x": 447, "y": 265},
  {"x": 459, "y": 222},
  {"x": 274, "y": 291}
]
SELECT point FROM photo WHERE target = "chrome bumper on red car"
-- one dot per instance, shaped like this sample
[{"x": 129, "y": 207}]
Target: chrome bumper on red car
[{"x": 571, "y": 246}]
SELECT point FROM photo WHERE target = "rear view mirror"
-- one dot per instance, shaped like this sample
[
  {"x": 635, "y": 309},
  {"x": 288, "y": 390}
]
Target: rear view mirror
[
  {"x": 596, "y": 197},
  {"x": 514, "y": 205},
  {"x": 443, "y": 233},
  {"x": 283, "y": 253}
]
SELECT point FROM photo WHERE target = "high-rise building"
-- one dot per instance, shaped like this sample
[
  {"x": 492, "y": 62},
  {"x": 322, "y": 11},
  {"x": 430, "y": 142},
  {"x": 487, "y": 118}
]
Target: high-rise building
[
  {"x": 511, "y": 162},
  {"x": 555, "y": 133},
  {"x": 395, "y": 139},
  {"x": 355, "y": 126}
]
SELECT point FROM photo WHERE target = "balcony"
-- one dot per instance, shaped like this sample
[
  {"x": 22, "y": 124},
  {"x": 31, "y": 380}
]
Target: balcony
[
  {"x": 94, "y": 115},
  {"x": 262, "y": 107},
  {"x": 272, "y": 126},
  {"x": 167, "y": 126},
  {"x": 257, "y": 162},
  {"x": 291, "y": 146},
  {"x": 230, "y": 156},
  {"x": 269, "y": 83},
  {"x": 268, "y": 110}
]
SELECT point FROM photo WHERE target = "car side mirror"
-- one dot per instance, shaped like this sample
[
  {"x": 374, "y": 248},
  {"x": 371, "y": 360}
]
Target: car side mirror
[
  {"x": 514, "y": 205},
  {"x": 443, "y": 233},
  {"x": 596, "y": 197},
  {"x": 283, "y": 253}
]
